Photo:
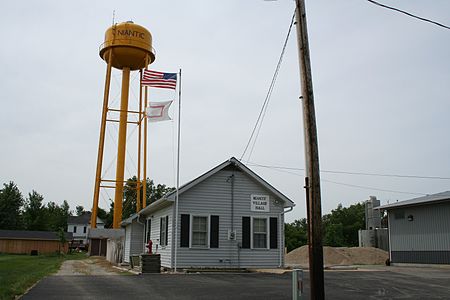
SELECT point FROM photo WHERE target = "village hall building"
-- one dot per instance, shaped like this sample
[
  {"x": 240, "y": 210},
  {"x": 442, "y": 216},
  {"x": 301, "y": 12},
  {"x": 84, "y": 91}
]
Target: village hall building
[
  {"x": 229, "y": 217},
  {"x": 419, "y": 230}
]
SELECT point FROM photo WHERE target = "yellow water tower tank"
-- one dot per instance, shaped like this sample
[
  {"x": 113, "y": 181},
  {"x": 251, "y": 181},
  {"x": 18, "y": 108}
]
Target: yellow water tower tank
[
  {"x": 131, "y": 46},
  {"x": 127, "y": 47}
]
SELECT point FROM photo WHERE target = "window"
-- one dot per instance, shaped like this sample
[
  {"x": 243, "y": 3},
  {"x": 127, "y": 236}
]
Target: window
[
  {"x": 260, "y": 233},
  {"x": 84, "y": 229},
  {"x": 163, "y": 228},
  {"x": 199, "y": 231},
  {"x": 74, "y": 229}
]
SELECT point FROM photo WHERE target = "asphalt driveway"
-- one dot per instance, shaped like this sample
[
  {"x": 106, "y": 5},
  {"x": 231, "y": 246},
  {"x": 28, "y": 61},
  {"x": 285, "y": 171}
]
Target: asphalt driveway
[{"x": 409, "y": 283}]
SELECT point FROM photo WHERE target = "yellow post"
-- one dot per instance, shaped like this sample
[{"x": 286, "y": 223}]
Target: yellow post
[
  {"x": 121, "y": 148},
  {"x": 101, "y": 144}
]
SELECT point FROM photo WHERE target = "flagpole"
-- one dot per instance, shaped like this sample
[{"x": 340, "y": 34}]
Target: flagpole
[
  {"x": 178, "y": 174},
  {"x": 138, "y": 181},
  {"x": 144, "y": 180}
]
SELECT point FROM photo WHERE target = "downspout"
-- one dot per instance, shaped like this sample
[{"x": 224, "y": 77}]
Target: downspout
[
  {"x": 143, "y": 224},
  {"x": 232, "y": 214},
  {"x": 281, "y": 232},
  {"x": 232, "y": 202},
  {"x": 231, "y": 178},
  {"x": 389, "y": 237}
]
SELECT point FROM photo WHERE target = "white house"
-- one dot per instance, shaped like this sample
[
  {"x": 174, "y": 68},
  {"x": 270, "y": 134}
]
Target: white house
[
  {"x": 80, "y": 225},
  {"x": 229, "y": 217}
]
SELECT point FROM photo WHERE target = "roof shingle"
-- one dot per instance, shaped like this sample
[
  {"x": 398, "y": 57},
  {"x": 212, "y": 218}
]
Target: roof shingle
[{"x": 33, "y": 235}]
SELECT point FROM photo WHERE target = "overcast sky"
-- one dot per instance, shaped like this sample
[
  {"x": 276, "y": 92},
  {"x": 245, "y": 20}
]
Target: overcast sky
[{"x": 381, "y": 85}]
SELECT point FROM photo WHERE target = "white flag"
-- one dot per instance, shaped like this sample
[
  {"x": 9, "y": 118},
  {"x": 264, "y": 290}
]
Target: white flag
[{"x": 158, "y": 111}]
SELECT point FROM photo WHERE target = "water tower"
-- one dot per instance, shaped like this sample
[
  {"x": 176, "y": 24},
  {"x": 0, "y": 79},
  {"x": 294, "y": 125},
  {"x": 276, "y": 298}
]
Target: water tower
[{"x": 127, "y": 47}]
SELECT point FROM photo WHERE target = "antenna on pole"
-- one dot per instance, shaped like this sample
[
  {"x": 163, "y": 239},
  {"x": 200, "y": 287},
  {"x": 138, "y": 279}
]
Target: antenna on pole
[{"x": 114, "y": 17}]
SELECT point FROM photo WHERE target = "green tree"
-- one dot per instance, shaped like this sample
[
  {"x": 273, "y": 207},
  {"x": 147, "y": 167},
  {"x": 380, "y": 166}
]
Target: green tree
[
  {"x": 65, "y": 209},
  {"x": 154, "y": 192},
  {"x": 79, "y": 210},
  {"x": 62, "y": 238},
  {"x": 106, "y": 217},
  {"x": 56, "y": 216},
  {"x": 296, "y": 234},
  {"x": 11, "y": 201},
  {"x": 334, "y": 235},
  {"x": 340, "y": 227},
  {"x": 34, "y": 214}
]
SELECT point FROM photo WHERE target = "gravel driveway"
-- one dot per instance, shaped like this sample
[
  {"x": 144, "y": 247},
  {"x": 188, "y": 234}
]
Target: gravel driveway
[{"x": 89, "y": 266}]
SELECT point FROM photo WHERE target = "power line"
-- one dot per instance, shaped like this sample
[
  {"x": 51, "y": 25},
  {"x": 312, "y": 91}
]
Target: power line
[
  {"x": 262, "y": 112},
  {"x": 371, "y": 188},
  {"x": 341, "y": 183},
  {"x": 353, "y": 173},
  {"x": 387, "y": 175},
  {"x": 409, "y": 14}
]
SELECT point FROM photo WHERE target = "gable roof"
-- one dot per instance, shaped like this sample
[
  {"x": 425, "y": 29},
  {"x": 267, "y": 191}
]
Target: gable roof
[
  {"x": 129, "y": 220},
  {"x": 231, "y": 162},
  {"x": 104, "y": 233},
  {"x": 428, "y": 199},
  {"x": 84, "y": 218},
  {"x": 33, "y": 235}
]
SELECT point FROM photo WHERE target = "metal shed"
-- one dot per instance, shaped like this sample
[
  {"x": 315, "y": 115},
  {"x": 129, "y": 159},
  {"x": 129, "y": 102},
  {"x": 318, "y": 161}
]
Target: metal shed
[{"x": 419, "y": 229}]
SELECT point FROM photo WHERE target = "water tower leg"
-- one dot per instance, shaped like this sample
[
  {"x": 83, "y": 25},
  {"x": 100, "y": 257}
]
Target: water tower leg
[
  {"x": 118, "y": 197},
  {"x": 101, "y": 144}
]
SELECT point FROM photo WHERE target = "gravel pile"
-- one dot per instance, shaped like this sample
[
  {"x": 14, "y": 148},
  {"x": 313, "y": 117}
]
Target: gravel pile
[{"x": 340, "y": 256}]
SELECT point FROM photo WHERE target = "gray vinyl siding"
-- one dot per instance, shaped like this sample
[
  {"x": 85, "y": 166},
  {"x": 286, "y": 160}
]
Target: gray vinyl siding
[
  {"x": 164, "y": 251},
  {"x": 423, "y": 240},
  {"x": 213, "y": 197},
  {"x": 137, "y": 238},
  {"x": 281, "y": 240},
  {"x": 134, "y": 240}
]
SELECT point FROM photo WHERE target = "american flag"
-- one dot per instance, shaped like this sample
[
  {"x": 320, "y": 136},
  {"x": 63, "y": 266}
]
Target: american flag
[{"x": 159, "y": 79}]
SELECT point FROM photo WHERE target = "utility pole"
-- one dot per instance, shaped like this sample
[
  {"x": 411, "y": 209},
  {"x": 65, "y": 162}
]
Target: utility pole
[{"x": 312, "y": 179}]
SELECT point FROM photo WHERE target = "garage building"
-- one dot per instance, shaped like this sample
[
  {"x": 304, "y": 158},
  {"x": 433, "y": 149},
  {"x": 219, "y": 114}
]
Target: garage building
[
  {"x": 419, "y": 229},
  {"x": 39, "y": 242}
]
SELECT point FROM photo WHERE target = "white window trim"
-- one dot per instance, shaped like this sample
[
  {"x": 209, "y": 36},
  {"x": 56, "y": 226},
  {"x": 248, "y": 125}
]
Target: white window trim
[
  {"x": 267, "y": 232},
  {"x": 145, "y": 233},
  {"x": 166, "y": 226},
  {"x": 208, "y": 230},
  {"x": 148, "y": 233}
]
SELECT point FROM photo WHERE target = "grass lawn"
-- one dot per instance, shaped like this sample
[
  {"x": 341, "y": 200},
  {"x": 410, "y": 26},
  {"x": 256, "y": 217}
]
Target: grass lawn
[{"x": 19, "y": 272}]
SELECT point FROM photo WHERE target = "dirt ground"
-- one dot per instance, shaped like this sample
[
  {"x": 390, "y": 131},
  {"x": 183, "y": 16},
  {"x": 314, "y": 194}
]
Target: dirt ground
[
  {"x": 340, "y": 256},
  {"x": 93, "y": 265}
]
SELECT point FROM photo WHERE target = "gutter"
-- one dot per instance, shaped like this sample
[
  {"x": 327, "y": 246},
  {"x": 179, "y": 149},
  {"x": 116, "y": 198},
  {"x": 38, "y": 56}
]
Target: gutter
[
  {"x": 143, "y": 232},
  {"x": 281, "y": 232}
]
